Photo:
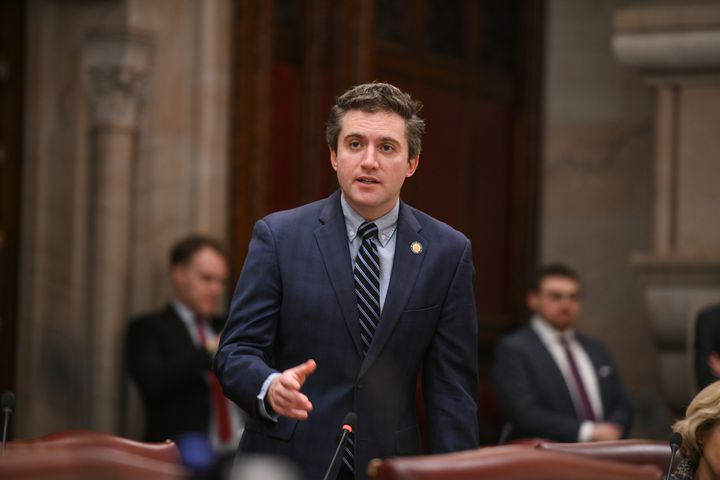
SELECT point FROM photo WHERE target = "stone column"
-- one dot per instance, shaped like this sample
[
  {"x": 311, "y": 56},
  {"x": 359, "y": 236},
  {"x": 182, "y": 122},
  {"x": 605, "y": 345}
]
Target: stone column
[
  {"x": 116, "y": 68},
  {"x": 677, "y": 50}
]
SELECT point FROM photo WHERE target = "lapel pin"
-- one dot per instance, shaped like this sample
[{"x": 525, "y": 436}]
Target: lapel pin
[{"x": 416, "y": 248}]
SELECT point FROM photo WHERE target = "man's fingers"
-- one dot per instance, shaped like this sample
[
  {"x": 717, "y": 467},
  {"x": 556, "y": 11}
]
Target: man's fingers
[
  {"x": 293, "y": 398},
  {"x": 298, "y": 400},
  {"x": 284, "y": 398},
  {"x": 290, "y": 382},
  {"x": 298, "y": 414},
  {"x": 304, "y": 370},
  {"x": 297, "y": 408}
]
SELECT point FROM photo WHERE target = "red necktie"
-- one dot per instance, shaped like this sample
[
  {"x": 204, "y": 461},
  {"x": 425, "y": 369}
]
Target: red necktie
[
  {"x": 219, "y": 403},
  {"x": 584, "y": 397}
]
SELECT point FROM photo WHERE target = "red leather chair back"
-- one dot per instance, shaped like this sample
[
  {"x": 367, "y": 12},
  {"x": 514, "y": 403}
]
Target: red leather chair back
[
  {"x": 164, "y": 451},
  {"x": 509, "y": 463},
  {"x": 637, "y": 452},
  {"x": 86, "y": 463}
]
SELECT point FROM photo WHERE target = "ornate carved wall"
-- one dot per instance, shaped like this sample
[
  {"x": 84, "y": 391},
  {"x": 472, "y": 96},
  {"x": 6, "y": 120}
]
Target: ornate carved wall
[
  {"x": 676, "y": 49},
  {"x": 125, "y": 151}
]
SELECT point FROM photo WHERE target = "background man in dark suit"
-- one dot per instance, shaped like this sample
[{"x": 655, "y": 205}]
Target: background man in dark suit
[
  {"x": 553, "y": 382},
  {"x": 342, "y": 302},
  {"x": 707, "y": 346},
  {"x": 169, "y": 352}
]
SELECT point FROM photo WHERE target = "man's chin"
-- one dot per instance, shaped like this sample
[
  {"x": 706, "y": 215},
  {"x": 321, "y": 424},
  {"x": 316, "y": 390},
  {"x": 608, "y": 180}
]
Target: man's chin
[{"x": 562, "y": 323}]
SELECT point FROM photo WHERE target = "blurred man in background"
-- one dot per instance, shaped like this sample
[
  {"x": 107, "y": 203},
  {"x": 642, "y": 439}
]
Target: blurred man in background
[
  {"x": 707, "y": 346},
  {"x": 169, "y": 352},
  {"x": 555, "y": 383}
]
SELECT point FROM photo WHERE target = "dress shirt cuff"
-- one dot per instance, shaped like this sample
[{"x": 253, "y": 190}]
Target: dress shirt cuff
[
  {"x": 587, "y": 428},
  {"x": 270, "y": 415}
]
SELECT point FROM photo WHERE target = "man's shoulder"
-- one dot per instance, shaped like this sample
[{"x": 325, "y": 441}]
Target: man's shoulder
[
  {"x": 519, "y": 339},
  {"x": 710, "y": 313},
  {"x": 312, "y": 209},
  {"x": 152, "y": 318},
  {"x": 432, "y": 227},
  {"x": 304, "y": 216}
]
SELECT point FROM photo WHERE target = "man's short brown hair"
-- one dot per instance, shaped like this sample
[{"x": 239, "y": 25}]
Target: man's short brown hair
[
  {"x": 185, "y": 249},
  {"x": 378, "y": 97},
  {"x": 552, "y": 270}
]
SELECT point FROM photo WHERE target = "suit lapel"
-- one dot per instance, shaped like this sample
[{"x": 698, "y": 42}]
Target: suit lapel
[
  {"x": 177, "y": 329},
  {"x": 332, "y": 241},
  {"x": 554, "y": 378},
  {"x": 406, "y": 266}
]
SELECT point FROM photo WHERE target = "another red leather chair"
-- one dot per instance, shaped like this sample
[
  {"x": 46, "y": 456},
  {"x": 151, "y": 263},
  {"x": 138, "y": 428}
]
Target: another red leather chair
[
  {"x": 163, "y": 451},
  {"x": 85, "y": 463},
  {"x": 508, "y": 463},
  {"x": 635, "y": 451}
]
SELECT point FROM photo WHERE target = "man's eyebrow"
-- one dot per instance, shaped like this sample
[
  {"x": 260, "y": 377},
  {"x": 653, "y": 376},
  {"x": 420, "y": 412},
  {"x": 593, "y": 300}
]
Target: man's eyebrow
[
  {"x": 389, "y": 139},
  {"x": 360, "y": 135},
  {"x": 355, "y": 135}
]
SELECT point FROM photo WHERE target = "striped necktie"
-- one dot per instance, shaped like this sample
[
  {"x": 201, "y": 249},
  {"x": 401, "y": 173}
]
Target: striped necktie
[
  {"x": 367, "y": 290},
  {"x": 367, "y": 283}
]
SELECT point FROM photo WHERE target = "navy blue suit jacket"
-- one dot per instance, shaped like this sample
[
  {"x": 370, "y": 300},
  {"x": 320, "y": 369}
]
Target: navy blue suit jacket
[
  {"x": 535, "y": 397},
  {"x": 707, "y": 341},
  {"x": 295, "y": 300}
]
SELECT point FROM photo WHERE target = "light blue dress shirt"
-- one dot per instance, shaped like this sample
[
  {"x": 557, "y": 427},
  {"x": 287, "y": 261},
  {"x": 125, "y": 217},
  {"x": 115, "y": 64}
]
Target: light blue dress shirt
[{"x": 385, "y": 241}]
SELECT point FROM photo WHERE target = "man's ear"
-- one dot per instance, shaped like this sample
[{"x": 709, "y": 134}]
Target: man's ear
[
  {"x": 532, "y": 300},
  {"x": 177, "y": 274},
  {"x": 333, "y": 158},
  {"x": 412, "y": 166}
]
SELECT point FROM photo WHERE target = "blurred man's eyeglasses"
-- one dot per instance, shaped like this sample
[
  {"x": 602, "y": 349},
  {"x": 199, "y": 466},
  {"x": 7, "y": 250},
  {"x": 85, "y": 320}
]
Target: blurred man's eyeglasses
[{"x": 560, "y": 296}]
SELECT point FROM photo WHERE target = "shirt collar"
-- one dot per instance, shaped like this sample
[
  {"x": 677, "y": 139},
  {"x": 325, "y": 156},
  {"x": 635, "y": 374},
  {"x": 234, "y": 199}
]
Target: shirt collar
[
  {"x": 185, "y": 313},
  {"x": 547, "y": 332},
  {"x": 386, "y": 224}
]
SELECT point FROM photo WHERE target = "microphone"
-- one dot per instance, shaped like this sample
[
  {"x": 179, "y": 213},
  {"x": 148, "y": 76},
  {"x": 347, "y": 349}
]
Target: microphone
[
  {"x": 348, "y": 426},
  {"x": 505, "y": 433},
  {"x": 8, "y": 405},
  {"x": 676, "y": 441}
]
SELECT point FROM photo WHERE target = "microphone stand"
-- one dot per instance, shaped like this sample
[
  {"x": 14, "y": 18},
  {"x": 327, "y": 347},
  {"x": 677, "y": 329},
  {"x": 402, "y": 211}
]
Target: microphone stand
[
  {"x": 8, "y": 404},
  {"x": 675, "y": 443},
  {"x": 340, "y": 448},
  {"x": 7, "y": 412}
]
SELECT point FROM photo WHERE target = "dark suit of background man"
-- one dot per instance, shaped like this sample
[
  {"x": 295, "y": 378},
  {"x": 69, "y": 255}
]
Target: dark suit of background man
[
  {"x": 555, "y": 383},
  {"x": 169, "y": 352},
  {"x": 297, "y": 353},
  {"x": 707, "y": 346}
]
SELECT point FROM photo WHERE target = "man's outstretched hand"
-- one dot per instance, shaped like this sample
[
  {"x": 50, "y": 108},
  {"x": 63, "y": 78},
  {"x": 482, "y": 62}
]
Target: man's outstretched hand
[{"x": 284, "y": 393}]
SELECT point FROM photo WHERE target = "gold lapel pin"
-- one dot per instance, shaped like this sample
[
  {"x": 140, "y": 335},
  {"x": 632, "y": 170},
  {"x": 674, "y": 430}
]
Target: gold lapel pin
[{"x": 416, "y": 248}]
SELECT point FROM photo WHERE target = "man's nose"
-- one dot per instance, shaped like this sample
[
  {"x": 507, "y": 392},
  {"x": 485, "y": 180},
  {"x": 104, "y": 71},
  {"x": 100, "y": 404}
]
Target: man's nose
[{"x": 369, "y": 158}]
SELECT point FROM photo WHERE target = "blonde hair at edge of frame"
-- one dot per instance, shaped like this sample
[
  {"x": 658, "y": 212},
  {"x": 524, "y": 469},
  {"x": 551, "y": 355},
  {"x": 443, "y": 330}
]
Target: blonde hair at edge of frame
[{"x": 701, "y": 415}]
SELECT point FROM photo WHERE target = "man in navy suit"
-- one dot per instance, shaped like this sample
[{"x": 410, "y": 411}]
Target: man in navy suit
[
  {"x": 555, "y": 383},
  {"x": 707, "y": 346},
  {"x": 342, "y": 303}
]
